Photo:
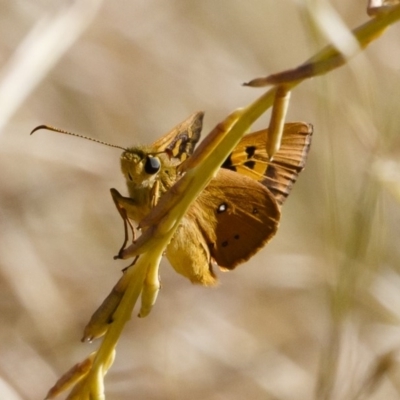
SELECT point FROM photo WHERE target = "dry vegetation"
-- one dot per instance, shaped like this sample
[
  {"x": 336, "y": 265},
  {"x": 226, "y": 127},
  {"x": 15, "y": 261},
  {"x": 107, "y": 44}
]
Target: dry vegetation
[{"x": 315, "y": 315}]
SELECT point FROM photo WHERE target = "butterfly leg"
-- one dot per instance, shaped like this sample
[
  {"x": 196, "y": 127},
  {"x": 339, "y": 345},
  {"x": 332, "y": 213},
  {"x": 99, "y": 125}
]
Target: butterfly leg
[
  {"x": 120, "y": 203},
  {"x": 131, "y": 264},
  {"x": 155, "y": 193}
]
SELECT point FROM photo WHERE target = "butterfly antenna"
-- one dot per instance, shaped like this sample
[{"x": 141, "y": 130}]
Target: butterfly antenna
[{"x": 52, "y": 128}]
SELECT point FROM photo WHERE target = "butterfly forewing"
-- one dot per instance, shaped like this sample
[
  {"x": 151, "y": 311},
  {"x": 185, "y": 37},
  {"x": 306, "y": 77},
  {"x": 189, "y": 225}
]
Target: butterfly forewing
[
  {"x": 244, "y": 213},
  {"x": 251, "y": 159},
  {"x": 180, "y": 142}
]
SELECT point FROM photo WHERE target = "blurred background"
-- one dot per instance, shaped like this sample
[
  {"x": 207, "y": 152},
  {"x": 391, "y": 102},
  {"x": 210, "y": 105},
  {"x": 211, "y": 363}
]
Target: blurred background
[{"x": 314, "y": 315}]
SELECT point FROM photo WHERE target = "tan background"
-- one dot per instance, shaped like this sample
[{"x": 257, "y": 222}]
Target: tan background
[{"x": 271, "y": 329}]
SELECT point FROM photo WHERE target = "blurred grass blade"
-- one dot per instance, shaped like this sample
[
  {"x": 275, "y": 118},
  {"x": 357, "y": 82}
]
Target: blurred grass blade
[{"x": 46, "y": 43}]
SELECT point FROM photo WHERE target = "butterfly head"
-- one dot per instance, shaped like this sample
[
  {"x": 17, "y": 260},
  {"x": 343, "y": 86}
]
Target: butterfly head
[{"x": 140, "y": 167}]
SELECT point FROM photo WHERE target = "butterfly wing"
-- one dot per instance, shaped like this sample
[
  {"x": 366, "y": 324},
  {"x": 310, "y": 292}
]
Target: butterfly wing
[
  {"x": 230, "y": 221},
  {"x": 189, "y": 254},
  {"x": 250, "y": 158},
  {"x": 239, "y": 211},
  {"x": 180, "y": 142},
  {"x": 237, "y": 216}
]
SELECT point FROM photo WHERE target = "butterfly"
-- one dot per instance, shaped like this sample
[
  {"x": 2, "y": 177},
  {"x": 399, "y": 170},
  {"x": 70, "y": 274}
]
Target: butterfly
[{"x": 235, "y": 215}]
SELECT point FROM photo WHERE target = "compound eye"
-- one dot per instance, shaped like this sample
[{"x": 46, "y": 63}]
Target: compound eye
[{"x": 152, "y": 165}]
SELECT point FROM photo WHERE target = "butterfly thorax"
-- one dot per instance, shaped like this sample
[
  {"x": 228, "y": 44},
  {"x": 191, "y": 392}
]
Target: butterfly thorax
[{"x": 148, "y": 175}]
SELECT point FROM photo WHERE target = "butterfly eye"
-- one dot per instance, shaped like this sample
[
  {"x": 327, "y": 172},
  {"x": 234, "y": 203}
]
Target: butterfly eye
[{"x": 152, "y": 165}]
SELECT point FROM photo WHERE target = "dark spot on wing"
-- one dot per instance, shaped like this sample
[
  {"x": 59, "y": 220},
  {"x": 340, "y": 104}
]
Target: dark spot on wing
[
  {"x": 250, "y": 164},
  {"x": 228, "y": 164},
  {"x": 250, "y": 150},
  {"x": 271, "y": 172}
]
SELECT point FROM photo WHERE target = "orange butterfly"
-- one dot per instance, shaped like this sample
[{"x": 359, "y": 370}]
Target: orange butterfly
[{"x": 239, "y": 210}]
